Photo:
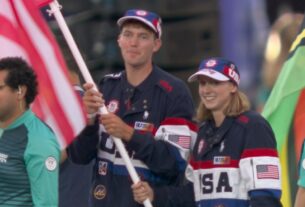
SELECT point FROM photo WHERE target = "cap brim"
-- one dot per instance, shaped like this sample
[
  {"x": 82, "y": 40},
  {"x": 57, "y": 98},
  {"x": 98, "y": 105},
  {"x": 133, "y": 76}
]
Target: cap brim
[
  {"x": 208, "y": 73},
  {"x": 140, "y": 19}
]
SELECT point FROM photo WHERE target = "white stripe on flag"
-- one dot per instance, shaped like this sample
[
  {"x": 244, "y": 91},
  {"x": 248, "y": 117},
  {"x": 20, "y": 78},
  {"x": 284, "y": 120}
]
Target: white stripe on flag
[
  {"x": 12, "y": 49},
  {"x": 50, "y": 120},
  {"x": 6, "y": 11}
]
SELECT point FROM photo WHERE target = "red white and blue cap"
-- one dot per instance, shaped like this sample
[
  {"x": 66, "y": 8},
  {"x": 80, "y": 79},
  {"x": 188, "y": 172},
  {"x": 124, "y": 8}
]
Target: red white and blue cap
[
  {"x": 218, "y": 69},
  {"x": 150, "y": 19}
]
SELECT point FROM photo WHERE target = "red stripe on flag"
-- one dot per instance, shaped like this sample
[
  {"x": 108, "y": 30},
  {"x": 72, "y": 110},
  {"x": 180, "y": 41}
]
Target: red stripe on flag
[
  {"x": 41, "y": 3},
  {"x": 6, "y": 30}
]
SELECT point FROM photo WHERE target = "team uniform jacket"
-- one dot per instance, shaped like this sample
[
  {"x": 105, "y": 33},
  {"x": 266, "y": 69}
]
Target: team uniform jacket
[
  {"x": 160, "y": 109},
  {"x": 235, "y": 165},
  {"x": 29, "y": 155}
]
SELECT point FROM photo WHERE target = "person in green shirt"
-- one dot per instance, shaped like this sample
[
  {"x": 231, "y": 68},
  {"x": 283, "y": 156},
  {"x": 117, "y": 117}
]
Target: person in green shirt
[{"x": 29, "y": 151}]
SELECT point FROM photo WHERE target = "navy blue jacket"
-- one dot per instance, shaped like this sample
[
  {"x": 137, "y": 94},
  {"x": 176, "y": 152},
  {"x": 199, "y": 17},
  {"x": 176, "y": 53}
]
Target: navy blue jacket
[
  {"x": 233, "y": 165},
  {"x": 157, "y": 109}
]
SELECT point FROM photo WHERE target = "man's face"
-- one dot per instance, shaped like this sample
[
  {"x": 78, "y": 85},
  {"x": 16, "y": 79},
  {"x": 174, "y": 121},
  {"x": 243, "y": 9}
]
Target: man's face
[
  {"x": 137, "y": 45},
  {"x": 8, "y": 99}
]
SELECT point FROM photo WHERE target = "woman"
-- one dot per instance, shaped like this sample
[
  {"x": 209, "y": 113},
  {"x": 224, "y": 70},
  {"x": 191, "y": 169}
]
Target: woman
[{"x": 234, "y": 160}]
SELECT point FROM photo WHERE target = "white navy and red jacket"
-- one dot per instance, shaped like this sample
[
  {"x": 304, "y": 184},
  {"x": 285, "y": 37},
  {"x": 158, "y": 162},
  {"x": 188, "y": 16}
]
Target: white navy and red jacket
[
  {"x": 234, "y": 165},
  {"x": 161, "y": 110}
]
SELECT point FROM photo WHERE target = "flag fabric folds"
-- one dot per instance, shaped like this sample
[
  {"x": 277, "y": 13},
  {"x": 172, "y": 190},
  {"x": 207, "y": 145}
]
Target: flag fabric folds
[
  {"x": 24, "y": 33},
  {"x": 282, "y": 105}
]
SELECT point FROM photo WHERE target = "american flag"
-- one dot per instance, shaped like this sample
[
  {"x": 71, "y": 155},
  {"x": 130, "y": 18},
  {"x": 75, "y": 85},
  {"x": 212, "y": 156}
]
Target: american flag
[
  {"x": 24, "y": 33},
  {"x": 181, "y": 140},
  {"x": 267, "y": 172}
]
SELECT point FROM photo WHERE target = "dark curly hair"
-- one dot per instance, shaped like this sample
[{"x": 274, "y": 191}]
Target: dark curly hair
[{"x": 20, "y": 74}]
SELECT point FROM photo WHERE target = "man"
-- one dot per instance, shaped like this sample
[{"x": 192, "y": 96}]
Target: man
[
  {"x": 150, "y": 110},
  {"x": 29, "y": 151}
]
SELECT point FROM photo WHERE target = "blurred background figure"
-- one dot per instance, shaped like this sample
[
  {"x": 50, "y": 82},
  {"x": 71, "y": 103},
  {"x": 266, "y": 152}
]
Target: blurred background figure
[
  {"x": 281, "y": 35},
  {"x": 244, "y": 28}
]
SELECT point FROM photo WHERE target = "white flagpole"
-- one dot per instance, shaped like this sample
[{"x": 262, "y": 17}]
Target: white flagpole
[{"x": 55, "y": 9}]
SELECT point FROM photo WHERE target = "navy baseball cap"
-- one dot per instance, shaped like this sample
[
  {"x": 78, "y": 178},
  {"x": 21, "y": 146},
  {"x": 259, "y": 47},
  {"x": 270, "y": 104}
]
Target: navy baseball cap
[
  {"x": 217, "y": 69},
  {"x": 150, "y": 19}
]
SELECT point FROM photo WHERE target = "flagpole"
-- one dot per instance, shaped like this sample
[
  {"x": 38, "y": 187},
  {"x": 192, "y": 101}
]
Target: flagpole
[{"x": 55, "y": 9}]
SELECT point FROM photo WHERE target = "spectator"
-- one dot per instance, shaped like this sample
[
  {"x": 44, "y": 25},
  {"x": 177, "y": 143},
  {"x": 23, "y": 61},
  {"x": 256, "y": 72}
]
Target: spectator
[{"x": 29, "y": 152}]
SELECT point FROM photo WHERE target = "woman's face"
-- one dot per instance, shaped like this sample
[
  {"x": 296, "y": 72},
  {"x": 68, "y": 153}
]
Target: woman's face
[{"x": 215, "y": 95}]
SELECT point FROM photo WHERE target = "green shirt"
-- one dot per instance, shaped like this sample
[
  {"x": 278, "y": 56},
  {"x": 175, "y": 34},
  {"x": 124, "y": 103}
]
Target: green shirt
[{"x": 29, "y": 157}]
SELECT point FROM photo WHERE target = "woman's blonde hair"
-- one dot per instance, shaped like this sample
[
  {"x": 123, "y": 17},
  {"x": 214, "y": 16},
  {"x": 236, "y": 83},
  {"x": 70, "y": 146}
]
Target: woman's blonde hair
[{"x": 239, "y": 103}]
